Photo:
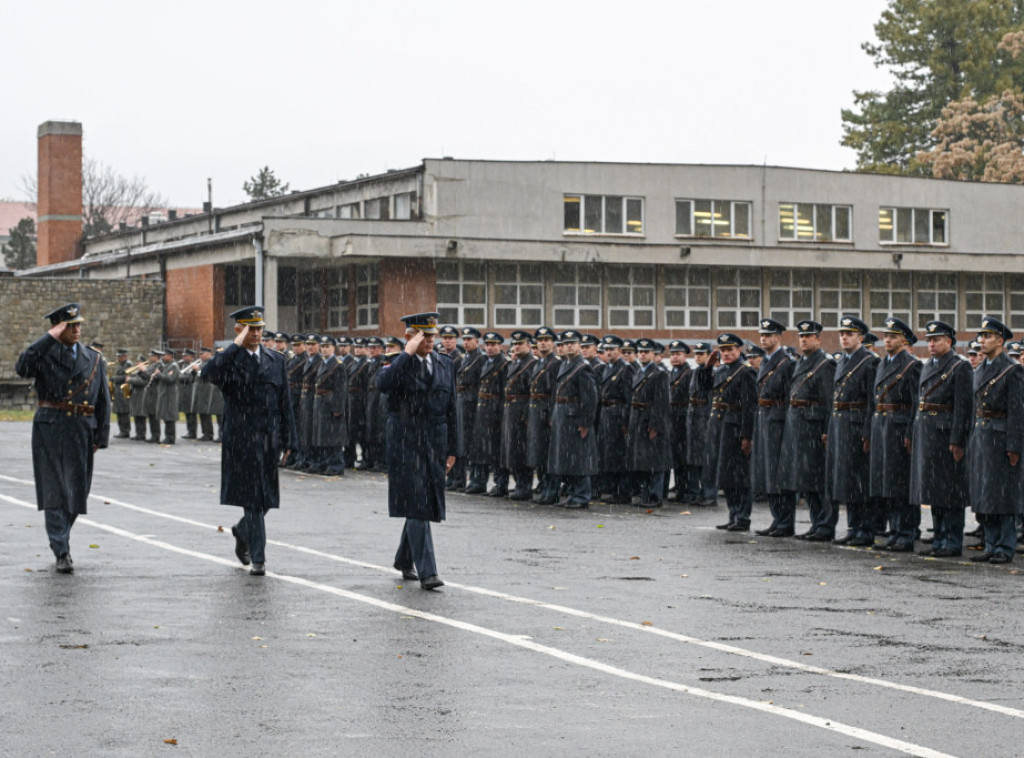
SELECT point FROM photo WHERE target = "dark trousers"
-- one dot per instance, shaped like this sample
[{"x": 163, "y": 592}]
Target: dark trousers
[
  {"x": 579, "y": 488},
  {"x": 948, "y": 524},
  {"x": 140, "y": 427},
  {"x": 783, "y": 510},
  {"x": 332, "y": 461},
  {"x": 58, "y": 530},
  {"x": 206, "y": 425},
  {"x": 701, "y": 485},
  {"x": 124, "y": 424},
  {"x": 478, "y": 475},
  {"x": 252, "y": 529},
  {"x": 170, "y": 430},
  {"x": 191, "y": 426},
  {"x": 524, "y": 480},
  {"x": 652, "y": 486},
  {"x": 904, "y": 522},
  {"x": 154, "y": 428},
  {"x": 416, "y": 548},
  {"x": 857, "y": 520},
  {"x": 820, "y": 509},
  {"x": 738, "y": 500},
  {"x": 1000, "y": 533}
]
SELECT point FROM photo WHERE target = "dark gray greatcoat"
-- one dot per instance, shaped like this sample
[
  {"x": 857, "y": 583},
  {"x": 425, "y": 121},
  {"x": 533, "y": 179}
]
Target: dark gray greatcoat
[
  {"x": 734, "y": 391},
  {"x": 204, "y": 393},
  {"x": 358, "y": 374},
  {"x": 649, "y": 412},
  {"x": 467, "y": 385},
  {"x": 679, "y": 405},
  {"x": 802, "y": 462},
  {"x": 896, "y": 384},
  {"x": 936, "y": 479},
  {"x": 330, "y": 405},
  {"x": 118, "y": 402},
  {"x": 421, "y": 433},
  {"x": 848, "y": 465},
  {"x": 485, "y": 448},
  {"x": 615, "y": 388},
  {"x": 542, "y": 382},
  {"x": 773, "y": 378},
  {"x": 515, "y": 419},
  {"x": 258, "y": 424},
  {"x": 375, "y": 418},
  {"x": 62, "y": 442},
  {"x": 307, "y": 417},
  {"x": 698, "y": 415},
  {"x": 996, "y": 487},
  {"x": 575, "y": 407},
  {"x": 138, "y": 381},
  {"x": 168, "y": 392}
]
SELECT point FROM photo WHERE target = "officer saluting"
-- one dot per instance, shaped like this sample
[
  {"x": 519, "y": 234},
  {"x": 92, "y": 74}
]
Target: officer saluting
[
  {"x": 993, "y": 453},
  {"x": 422, "y": 444},
  {"x": 71, "y": 423}
]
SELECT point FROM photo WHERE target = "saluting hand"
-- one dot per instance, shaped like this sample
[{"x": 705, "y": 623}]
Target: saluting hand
[
  {"x": 414, "y": 342},
  {"x": 240, "y": 337},
  {"x": 57, "y": 330},
  {"x": 714, "y": 358}
]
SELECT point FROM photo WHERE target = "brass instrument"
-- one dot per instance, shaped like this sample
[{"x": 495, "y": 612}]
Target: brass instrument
[
  {"x": 193, "y": 366},
  {"x": 137, "y": 367},
  {"x": 126, "y": 390}
]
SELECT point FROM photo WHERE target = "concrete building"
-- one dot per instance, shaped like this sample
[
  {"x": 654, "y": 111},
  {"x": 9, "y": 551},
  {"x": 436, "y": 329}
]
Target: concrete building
[{"x": 637, "y": 249}]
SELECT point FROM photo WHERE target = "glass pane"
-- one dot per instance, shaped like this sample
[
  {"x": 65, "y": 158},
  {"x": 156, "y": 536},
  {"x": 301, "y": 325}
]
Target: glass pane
[
  {"x": 700, "y": 276},
  {"x": 589, "y": 317},
  {"x": 851, "y": 300},
  {"x": 474, "y": 293},
  {"x": 675, "y": 297},
  {"x": 506, "y": 294},
  {"x": 589, "y": 295},
  {"x": 643, "y": 275},
  {"x": 618, "y": 296},
  {"x": 828, "y": 279},
  {"x": 531, "y": 316},
  {"x": 564, "y": 295},
  {"x": 700, "y": 297},
  {"x": 803, "y": 299},
  {"x": 728, "y": 298},
  {"x": 829, "y": 299},
  {"x": 643, "y": 318},
  {"x": 851, "y": 279},
  {"x": 722, "y": 219},
  {"x": 474, "y": 315},
  {"x": 900, "y": 280},
  {"x": 700, "y": 318},
  {"x": 779, "y": 298},
  {"x": 946, "y": 282},
  {"x": 901, "y": 300},
  {"x": 750, "y": 298},
  {"x": 588, "y": 274},
  {"x": 973, "y": 301},
  {"x": 506, "y": 272},
  {"x": 749, "y": 318},
  {"x": 728, "y": 276},
  {"x": 879, "y": 301},
  {"x": 531, "y": 294},
  {"x": 592, "y": 214},
  {"x": 635, "y": 215},
  {"x": 886, "y": 232},
  {"x": 643, "y": 296},
  {"x": 726, "y": 319},
  {"x": 823, "y": 221},
  {"x": 741, "y": 220},
  {"x": 572, "y": 214},
  {"x": 926, "y": 280},
  {"x": 675, "y": 318},
  {"x": 613, "y": 215},
  {"x": 565, "y": 317},
  {"x": 805, "y": 221},
  {"x": 994, "y": 303},
  {"x": 750, "y": 277},
  {"x": 972, "y": 281},
  {"x": 803, "y": 278},
  {"x": 829, "y": 320},
  {"x": 947, "y": 301},
  {"x": 842, "y": 223},
  {"x": 787, "y": 228},
  {"x": 939, "y": 227},
  {"x": 531, "y": 272},
  {"x": 926, "y": 300},
  {"x": 921, "y": 226},
  {"x": 683, "y": 217},
  {"x": 674, "y": 276},
  {"x": 474, "y": 271},
  {"x": 904, "y": 225},
  {"x": 505, "y": 317},
  {"x": 702, "y": 218},
  {"x": 448, "y": 314}
]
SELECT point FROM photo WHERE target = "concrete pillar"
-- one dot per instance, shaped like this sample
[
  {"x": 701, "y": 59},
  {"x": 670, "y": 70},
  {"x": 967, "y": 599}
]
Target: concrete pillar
[
  {"x": 270, "y": 309},
  {"x": 59, "y": 215}
]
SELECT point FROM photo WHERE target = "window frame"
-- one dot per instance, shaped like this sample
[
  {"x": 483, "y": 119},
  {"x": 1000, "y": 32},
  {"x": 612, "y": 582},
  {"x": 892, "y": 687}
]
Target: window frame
[
  {"x": 833, "y": 239},
  {"x": 633, "y": 288},
  {"x": 739, "y": 310},
  {"x": 368, "y": 289},
  {"x": 894, "y": 212},
  {"x": 518, "y": 307},
  {"x": 731, "y": 235},
  {"x": 688, "y": 287},
  {"x": 560, "y": 278},
  {"x": 585, "y": 199},
  {"x": 461, "y": 281}
]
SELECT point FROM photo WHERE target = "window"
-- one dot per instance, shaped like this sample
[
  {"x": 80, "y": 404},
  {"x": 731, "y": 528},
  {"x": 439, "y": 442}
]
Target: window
[
  {"x": 286, "y": 284},
  {"x": 889, "y": 296},
  {"x": 323, "y": 213},
  {"x": 462, "y": 292},
  {"x": 983, "y": 296},
  {"x": 713, "y": 218},
  {"x": 239, "y": 285},
  {"x": 839, "y": 293},
  {"x": 687, "y": 297},
  {"x": 518, "y": 294},
  {"x": 379, "y": 208},
  {"x": 577, "y": 296},
  {"x": 349, "y": 211},
  {"x": 337, "y": 298},
  {"x": 809, "y": 222},
  {"x": 936, "y": 297},
  {"x": 630, "y": 296},
  {"x": 738, "y": 296},
  {"x": 366, "y": 296},
  {"x": 404, "y": 205},
  {"x": 791, "y": 295},
  {"x": 603, "y": 214},
  {"x": 912, "y": 226},
  {"x": 310, "y": 299},
  {"x": 1016, "y": 304}
]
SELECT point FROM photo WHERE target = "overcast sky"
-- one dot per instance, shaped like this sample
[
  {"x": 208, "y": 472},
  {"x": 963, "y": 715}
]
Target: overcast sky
[{"x": 323, "y": 91}]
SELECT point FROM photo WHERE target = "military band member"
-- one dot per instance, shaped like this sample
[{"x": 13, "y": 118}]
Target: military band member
[
  {"x": 258, "y": 430},
  {"x": 516, "y": 416},
  {"x": 938, "y": 438},
  {"x": 895, "y": 397},
  {"x": 358, "y": 384},
  {"x": 307, "y": 456},
  {"x": 71, "y": 423},
  {"x": 120, "y": 404},
  {"x": 373, "y": 454},
  {"x": 330, "y": 411},
  {"x": 422, "y": 443},
  {"x": 137, "y": 382},
  {"x": 995, "y": 479},
  {"x": 203, "y": 396},
  {"x": 773, "y": 382},
  {"x": 188, "y": 371},
  {"x": 572, "y": 451},
  {"x": 849, "y": 433},
  {"x": 542, "y": 382},
  {"x": 168, "y": 389},
  {"x": 150, "y": 392},
  {"x": 484, "y": 452},
  {"x": 648, "y": 447},
  {"x": 679, "y": 405},
  {"x": 733, "y": 393},
  {"x": 294, "y": 368},
  {"x": 614, "y": 390},
  {"x": 701, "y": 483},
  {"x": 467, "y": 386}
]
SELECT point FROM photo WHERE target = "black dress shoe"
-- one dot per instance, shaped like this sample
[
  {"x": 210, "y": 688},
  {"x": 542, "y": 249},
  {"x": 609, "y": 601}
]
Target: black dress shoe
[
  {"x": 1000, "y": 558},
  {"x": 764, "y": 532},
  {"x": 241, "y": 549},
  {"x": 946, "y": 552},
  {"x": 818, "y": 537},
  {"x": 153, "y": 439},
  {"x": 189, "y": 437},
  {"x": 710, "y": 503},
  {"x": 900, "y": 547},
  {"x": 738, "y": 526},
  {"x": 844, "y": 540},
  {"x": 545, "y": 500},
  {"x": 520, "y": 495},
  {"x": 781, "y": 533},
  {"x": 64, "y": 565},
  {"x": 258, "y": 569},
  {"x": 476, "y": 490},
  {"x": 723, "y": 527},
  {"x": 407, "y": 573},
  {"x": 431, "y": 583},
  {"x": 120, "y": 436},
  {"x": 206, "y": 438},
  {"x": 364, "y": 466},
  {"x": 861, "y": 542},
  {"x": 981, "y": 558},
  {"x": 576, "y": 505},
  {"x": 927, "y": 552},
  {"x": 498, "y": 492},
  {"x": 805, "y": 535},
  {"x": 139, "y": 438},
  {"x": 882, "y": 546}
]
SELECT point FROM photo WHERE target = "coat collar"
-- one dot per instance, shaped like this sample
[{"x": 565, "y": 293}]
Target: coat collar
[
  {"x": 896, "y": 365},
  {"x": 940, "y": 367}
]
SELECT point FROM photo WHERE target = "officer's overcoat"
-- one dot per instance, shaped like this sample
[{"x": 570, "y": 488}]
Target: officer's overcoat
[
  {"x": 896, "y": 386},
  {"x": 358, "y": 372},
  {"x": 421, "y": 433},
  {"x": 943, "y": 418},
  {"x": 615, "y": 388},
  {"x": 515, "y": 419},
  {"x": 138, "y": 382},
  {"x": 996, "y": 487},
  {"x": 186, "y": 387},
  {"x": 679, "y": 405},
  {"x": 802, "y": 462},
  {"x": 62, "y": 442},
  {"x": 649, "y": 411},
  {"x": 731, "y": 419},
  {"x": 152, "y": 388},
  {"x": 307, "y": 417},
  {"x": 204, "y": 393},
  {"x": 330, "y": 405},
  {"x": 168, "y": 392},
  {"x": 850, "y": 424},
  {"x": 258, "y": 424},
  {"x": 486, "y": 445},
  {"x": 542, "y": 382},
  {"x": 698, "y": 415},
  {"x": 467, "y": 385},
  {"x": 575, "y": 406},
  {"x": 118, "y": 402},
  {"x": 773, "y": 377}
]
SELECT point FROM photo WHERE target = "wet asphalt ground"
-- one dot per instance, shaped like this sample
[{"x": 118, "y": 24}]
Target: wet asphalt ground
[{"x": 608, "y": 632}]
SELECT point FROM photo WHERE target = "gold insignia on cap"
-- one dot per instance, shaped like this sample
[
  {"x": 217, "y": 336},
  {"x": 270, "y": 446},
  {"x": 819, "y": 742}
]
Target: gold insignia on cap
[
  {"x": 847, "y": 322},
  {"x": 72, "y": 312},
  {"x": 765, "y": 324},
  {"x": 932, "y": 327},
  {"x": 890, "y": 323},
  {"x": 984, "y": 324}
]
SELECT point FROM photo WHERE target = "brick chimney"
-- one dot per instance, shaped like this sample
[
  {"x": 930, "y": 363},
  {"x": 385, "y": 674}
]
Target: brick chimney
[{"x": 59, "y": 214}]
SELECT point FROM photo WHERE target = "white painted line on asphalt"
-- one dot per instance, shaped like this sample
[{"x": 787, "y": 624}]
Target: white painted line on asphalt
[
  {"x": 632, "y": 625},
  {"x": 518, "y": 641}
]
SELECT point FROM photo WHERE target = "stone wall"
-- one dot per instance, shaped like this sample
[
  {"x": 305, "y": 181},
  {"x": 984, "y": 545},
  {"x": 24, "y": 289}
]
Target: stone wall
[{"x": 122, "y": 313}]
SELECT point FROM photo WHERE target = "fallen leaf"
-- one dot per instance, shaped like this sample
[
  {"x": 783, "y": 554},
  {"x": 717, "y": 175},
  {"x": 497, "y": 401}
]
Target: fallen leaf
[
  {"x": 28, "y": 569},
  {"x": 74, "y": 647},
  {"x": 823, "y": 584},
  {"x": 93, "y": 546},
  {"x": 685, "y": 513},
  {"x": 878, "y": 568},
  {"x": 600, "y": 526},
  {"x": 262, "y": 645},
  {"x": 311, "y": 635},
  {"x": 398, "y": 586},
  {"x": 634, "y": 557},
  {"x": 559, "y": 628},
  {"x": 551, "y": 527},
  {"x": 156, "y": 627},
  {"x": 646, "y": 623},
  {"x": 399, "y": 656},
  {"x": 685, "y": 576},
  {"x": 806, "y": 653},
  {"x": 649, "y": 510},
  {"x": 106, "y": 502},
  {"x": 220, "y": 529},
  {"x": 255, "y": 638},
  {"x": 152, "y": 464},
  {"x": 171, "y": 741},
  {"x": 1014, "y": 571},
  {"x": 603, "y": 639}
]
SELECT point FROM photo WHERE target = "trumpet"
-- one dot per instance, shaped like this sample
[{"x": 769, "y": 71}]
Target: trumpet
[
  {"x": 193, "y": 366},
  {"x": 136, "y": 367}
]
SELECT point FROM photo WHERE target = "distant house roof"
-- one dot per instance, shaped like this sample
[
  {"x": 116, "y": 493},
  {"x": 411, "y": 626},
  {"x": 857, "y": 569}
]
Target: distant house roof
[{"x": 12, "y": 213}]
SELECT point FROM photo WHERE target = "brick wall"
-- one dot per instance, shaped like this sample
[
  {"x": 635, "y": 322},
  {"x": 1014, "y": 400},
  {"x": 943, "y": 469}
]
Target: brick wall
[
  {"x": 124, "y": 313},
  {"x": 406, "y": 285},
  {"x": 60, "y": 191},
  {"x": 195, "y": 309}
]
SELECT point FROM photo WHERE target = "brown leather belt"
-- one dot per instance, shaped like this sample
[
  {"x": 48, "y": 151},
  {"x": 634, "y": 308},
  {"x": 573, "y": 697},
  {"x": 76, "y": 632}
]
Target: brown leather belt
[
  {"x": 355, "y": 390},
  {"x": 797, "y": 403},
  {"x": 567, "y": 400},
  {"x": 72, "y": 409},
  {"x": 321, "y": 393},
  {"x": 640, "y": 406},
  {"x": 463, "y": 390},
  {"x": 935, "y": 407},
  {"x": 612, "y": 403},
  {"x": 516, "y": 399},
  {"x": 679, "y": 405},
  {"x": 698, "y": 401},
  {"x": 764, "y": 403},
  {"x": 839, "y": 406},
  {"x": 882, "y": 407},
  {"x": 540, "y": 397},
  {"x": 990, "y": 414},
  {"x": 488, "y": 396},
  {"x": 726, "y": 406}
]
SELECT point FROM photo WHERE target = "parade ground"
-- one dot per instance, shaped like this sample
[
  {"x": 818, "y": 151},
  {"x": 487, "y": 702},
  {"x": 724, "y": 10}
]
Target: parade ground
[{"x": 612, "y": 631}]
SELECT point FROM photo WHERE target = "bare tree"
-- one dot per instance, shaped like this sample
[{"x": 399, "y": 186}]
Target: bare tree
[{"x": 108, "y": 198}]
